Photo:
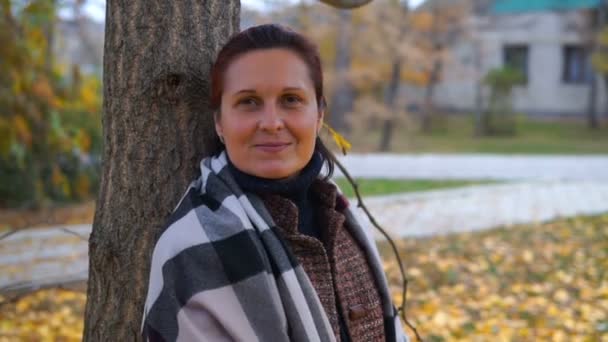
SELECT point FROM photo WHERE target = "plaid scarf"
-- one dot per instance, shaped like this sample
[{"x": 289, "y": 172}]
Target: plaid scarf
[{"x": 220, "y": 271}]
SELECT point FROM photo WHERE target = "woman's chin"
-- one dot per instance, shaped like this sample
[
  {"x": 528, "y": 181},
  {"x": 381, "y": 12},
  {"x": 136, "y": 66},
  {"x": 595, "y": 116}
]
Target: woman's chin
[{"x": 275, "y": 172}]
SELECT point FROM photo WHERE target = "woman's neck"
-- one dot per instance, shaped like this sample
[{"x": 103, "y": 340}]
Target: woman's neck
[{"x": 294, "y": 187}]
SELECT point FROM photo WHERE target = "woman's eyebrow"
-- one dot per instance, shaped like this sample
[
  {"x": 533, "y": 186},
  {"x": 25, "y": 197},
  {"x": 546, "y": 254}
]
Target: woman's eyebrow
[
  {"x": 246, "y": 91},
  {"x": 249, "y": 91},
  {"x": 293, "y": 89}
]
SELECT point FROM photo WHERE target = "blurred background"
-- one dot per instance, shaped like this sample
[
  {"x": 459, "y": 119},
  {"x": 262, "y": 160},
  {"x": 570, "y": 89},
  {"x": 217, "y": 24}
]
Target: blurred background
[{"x": 479, "y": 132}]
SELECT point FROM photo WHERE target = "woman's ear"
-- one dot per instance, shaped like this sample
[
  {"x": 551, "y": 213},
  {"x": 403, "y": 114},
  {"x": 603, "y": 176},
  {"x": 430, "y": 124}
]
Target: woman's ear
[
  {"x": 320, "y": 120},
  {"x": 218, "y": 126},
  {"x": 322, "y": 107}
]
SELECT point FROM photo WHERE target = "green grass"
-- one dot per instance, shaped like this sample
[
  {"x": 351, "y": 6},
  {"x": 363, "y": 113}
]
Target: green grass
[
  {"x": 374, "y": 187},
  {"x": 456, "y": 136}
]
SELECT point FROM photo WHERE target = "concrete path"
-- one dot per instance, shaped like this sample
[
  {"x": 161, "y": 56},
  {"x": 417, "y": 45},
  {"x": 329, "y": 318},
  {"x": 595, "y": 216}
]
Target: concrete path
[
  {"x": 538, "y": 188},
  {"x": 40, "y": 256},
  {"x": 484, "y": 207},
  {"x": 477, "y": 166}
]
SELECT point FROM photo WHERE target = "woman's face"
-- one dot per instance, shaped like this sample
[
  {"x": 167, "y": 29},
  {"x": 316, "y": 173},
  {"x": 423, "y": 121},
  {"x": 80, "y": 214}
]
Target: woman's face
[{"x": 269, "y": 117}]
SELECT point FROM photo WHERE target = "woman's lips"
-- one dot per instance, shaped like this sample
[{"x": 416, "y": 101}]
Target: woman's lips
[{"x": 272, "y": 147}]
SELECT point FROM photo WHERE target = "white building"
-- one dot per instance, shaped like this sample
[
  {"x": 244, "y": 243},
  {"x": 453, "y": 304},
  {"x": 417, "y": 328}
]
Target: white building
[{"x": 547, "y": 40}]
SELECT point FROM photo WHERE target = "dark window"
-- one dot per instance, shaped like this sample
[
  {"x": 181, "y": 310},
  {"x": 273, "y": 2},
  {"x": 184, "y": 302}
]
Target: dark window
[
  {"x": 516, "y": 57},
  {"x": 577, "y": 68}
]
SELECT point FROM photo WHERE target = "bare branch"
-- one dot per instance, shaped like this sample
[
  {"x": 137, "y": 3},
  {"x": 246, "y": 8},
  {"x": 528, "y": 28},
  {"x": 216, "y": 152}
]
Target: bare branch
[
  {"x": 361, "y": 205},
  {"x": 7, "y": 234},
  {"x": 74, "y": 233},
  {"x": 31, "y": 288},
  {"x": 346, "y": 4}
]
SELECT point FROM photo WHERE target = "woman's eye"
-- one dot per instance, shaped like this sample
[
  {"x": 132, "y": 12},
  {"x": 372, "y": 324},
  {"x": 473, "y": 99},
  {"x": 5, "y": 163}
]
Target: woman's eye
[
  {"x": 292, "y": 100},
  {"x": 248, "y": 102}
]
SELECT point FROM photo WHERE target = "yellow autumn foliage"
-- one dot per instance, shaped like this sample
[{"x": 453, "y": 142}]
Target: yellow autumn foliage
[
  {"x": 49, "y": 112},
  {"x": 339, "y": 139},
  {"x": 546, "y": 282},
  {"x": 43, "y": 90},
  {"x": 6, "y": 136},
  {"x": 48, "y": 315},
  {"x": 22, "y": 128},
  {"x": 82, "y": 187},
  {"x": 60, "y": 181},
  {"x": 83, "y": 141}
]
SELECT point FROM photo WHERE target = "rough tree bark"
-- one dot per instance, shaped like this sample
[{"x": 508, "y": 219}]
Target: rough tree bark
[{"x": 157, "y": 126}]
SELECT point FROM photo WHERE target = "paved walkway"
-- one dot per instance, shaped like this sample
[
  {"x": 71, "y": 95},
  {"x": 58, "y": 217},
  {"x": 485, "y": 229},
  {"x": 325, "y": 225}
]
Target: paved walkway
[
  {"x": 477, "y": 166},
  {"x": 40, "y": 256},
  {"x": 483, "y": 207},
  {"x": 546, "y": 188}
]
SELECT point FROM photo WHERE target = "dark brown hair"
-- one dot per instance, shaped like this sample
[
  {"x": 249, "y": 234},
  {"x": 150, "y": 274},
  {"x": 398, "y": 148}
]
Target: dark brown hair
[{"x": 270, "y": 36}]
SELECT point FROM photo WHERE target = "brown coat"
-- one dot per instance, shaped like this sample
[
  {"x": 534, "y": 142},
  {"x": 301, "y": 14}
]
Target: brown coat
[{"x": 336, "y": 266}]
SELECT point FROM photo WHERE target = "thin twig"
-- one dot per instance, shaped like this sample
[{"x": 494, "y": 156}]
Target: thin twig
[
  {"x": 9, "y": 233},
  {"x": 13, "y": 229},
  {"x": 35, "y": 288},
  {"x": 361, "y": 205},
  {"x": 82, "y": 237}
]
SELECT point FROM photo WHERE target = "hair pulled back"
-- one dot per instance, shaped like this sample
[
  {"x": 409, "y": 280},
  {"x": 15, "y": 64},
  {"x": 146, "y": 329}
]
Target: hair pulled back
[{"x": 270, "y": 36}]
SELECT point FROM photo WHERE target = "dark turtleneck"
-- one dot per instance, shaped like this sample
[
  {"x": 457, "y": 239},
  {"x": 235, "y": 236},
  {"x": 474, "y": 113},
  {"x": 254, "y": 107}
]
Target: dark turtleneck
[{"x": 294, "y": 188}]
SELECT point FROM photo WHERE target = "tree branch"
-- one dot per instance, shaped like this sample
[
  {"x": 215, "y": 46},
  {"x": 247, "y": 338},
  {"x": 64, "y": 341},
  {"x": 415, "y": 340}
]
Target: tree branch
[
  {"x": 346, "y": 4},
  {"x": 7, "y": 234},
  {"x": 33, "y": 288},
  {"x": 69, "y": 231}
]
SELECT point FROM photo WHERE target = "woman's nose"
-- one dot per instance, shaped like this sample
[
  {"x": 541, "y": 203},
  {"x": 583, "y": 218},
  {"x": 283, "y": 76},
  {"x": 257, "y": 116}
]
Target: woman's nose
[{"x": 271, "y": 119}]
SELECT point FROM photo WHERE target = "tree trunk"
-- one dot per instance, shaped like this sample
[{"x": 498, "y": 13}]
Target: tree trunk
[
  {"x": 479, "y": 129},
  {"x": 343, "y": 96},
  {"x": 604, "y": 108},
  {"x": 592, "y": 120},
  {"x": 157, "y": 126},
  {"x": 389, "y": 100},
  {"x": 596, "y": 24},
  {"x": 428, "y": 108},
  {"x": 429, "y": 93}
]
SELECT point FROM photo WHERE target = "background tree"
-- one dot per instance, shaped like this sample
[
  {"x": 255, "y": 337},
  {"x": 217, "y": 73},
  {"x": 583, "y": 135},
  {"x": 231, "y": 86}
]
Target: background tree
[
  {"x": 343, "y": 97},
  {"x": 440, "y": 24},
  {"x": 597, "y": 32},
  {"x": 587, "y": 24},
  {"x": 382, "y": 48},
  {"x": 499, "y": 117},
  {"x": 49, "y": 112}
]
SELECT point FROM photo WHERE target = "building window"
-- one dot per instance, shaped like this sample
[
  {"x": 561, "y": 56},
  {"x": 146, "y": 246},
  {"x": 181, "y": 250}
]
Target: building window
[
  {"x": 516, "y": 57},
  {"x": 577, "y": 68}
]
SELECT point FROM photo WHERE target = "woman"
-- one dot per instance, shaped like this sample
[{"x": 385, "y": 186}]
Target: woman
[{"x": 261, "y": 247}]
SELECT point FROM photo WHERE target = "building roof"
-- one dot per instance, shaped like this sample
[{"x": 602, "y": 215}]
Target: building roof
[{"x": 524, "y": 6}]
